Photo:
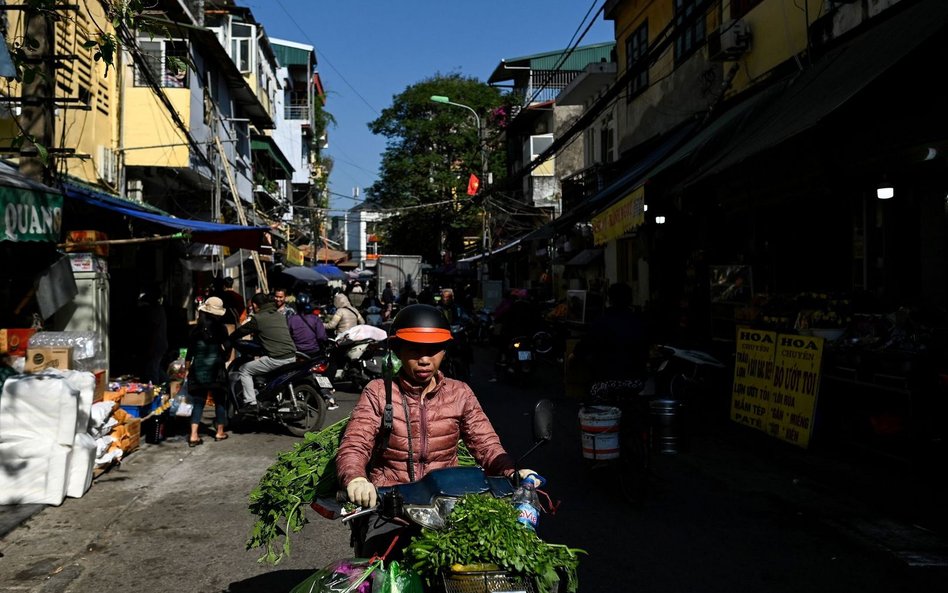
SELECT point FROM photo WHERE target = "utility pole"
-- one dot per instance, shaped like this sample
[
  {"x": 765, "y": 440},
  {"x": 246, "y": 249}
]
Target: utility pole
[{"x": 37, "y": 116}]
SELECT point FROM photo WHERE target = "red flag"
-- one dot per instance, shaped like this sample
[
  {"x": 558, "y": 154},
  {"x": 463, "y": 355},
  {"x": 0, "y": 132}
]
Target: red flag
[{"x": 473, "y": 184}]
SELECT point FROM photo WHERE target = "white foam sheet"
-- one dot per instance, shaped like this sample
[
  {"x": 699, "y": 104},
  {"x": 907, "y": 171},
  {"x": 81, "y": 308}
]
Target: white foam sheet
[
  {"x": 33, "y": 472},
  {"x": 84, "y": 383},
  {"x": 39, "y": 407},
  {"x": 79, "y": 478}
]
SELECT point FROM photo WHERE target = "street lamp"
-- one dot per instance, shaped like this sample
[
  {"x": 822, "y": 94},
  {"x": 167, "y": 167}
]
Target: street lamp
[{"x": 480, "y": 145}]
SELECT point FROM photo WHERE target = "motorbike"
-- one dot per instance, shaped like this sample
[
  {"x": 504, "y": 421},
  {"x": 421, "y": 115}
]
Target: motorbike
[
  {"x": 460, "y": 354},
  {"x": 355, "y": 362},
  {"x": 373, "y": 316},
  {"x": 293, "y": 395},
  {"x": 520, "y": 355},
  {"x": 483, "y": 326},
  {"x": 427, "y": 503},
  {"x": 689, "y": 376}
]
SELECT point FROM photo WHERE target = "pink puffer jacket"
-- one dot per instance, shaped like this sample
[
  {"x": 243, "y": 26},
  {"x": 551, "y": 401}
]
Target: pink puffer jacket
[{"x": 447, "y": 413}]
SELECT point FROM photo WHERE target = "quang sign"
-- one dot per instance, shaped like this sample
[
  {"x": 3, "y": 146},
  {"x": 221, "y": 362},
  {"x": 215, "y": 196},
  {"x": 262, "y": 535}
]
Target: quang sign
[
  {"x": 30, "y": 215},
  {"x": 620, "y": 218}
]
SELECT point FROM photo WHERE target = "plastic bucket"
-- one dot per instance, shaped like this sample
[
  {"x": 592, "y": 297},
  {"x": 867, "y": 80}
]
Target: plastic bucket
[
  {"x": 667, "y": 422},
  {"x": 600, "y": 431}
]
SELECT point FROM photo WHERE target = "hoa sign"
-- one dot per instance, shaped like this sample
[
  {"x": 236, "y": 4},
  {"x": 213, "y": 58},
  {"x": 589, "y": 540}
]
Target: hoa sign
[
  {"x": 30, "y": 216},
  {"x": 776, "y": 381}
]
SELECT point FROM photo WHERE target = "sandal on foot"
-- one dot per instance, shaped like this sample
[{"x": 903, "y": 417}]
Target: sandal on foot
[
  {"x": 196, "y": 443},
  {"x": 221, "y": 438}
]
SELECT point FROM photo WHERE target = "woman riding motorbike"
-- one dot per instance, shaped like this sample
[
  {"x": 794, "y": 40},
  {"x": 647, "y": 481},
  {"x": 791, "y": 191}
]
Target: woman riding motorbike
[{"x": 440, "y": 410}]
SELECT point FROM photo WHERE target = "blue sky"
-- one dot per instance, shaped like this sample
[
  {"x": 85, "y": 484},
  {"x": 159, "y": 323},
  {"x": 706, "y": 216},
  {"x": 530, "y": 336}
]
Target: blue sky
[{"x": 369, "y": 51}]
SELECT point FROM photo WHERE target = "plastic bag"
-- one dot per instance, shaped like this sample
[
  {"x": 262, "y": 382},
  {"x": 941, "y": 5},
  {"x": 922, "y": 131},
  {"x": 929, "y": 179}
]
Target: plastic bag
[
  {"x": 177, "y": 369},
  {"x": 343, "y": 576},
  {"x": 182, "y": 405},
  {"x": 396, "y": 579}
]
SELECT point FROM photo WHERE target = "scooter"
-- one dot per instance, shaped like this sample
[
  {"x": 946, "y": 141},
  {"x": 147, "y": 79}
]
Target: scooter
[
  {"x": 427, "y": 504},
  {"x": 519, "y": 359},
  {"x": 373, "y": 316},
  {"x": 355, "y": 362},
  {"x": 293, "y": 395},
  {"x": 685, "y": 374},
  {"x": 460, "y": 354}
]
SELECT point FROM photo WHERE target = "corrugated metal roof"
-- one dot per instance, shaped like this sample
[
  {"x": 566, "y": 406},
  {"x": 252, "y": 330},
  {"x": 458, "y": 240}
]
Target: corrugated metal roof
[{"x": 577, "y": 60}]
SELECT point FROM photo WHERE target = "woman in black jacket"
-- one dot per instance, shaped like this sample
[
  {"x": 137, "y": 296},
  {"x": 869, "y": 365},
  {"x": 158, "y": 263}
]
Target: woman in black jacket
[{"x": 205, "y": 362}]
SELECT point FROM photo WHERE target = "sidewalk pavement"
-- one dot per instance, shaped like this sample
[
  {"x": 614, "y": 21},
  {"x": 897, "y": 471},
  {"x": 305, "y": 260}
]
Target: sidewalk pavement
[{"x": 894, "y": 506}]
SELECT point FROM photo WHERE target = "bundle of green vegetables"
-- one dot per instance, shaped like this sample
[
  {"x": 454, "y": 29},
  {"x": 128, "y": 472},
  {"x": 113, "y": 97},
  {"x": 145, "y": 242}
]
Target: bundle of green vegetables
[
  {"x": 298, "y": 477},
  {"x": 483, "y": 531}
]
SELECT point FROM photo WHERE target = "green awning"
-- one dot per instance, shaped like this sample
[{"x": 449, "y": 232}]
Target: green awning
[
  {"x": 31, "y": 211},
  {"x": 292, "y": 55},
  {"x": 267, "y": 146}
]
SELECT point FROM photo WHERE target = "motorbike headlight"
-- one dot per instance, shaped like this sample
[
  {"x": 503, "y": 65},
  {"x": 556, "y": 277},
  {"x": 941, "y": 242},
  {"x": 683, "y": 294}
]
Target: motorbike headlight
[
  {"x": 516, "y": 344},
  {"x": 431, "y": 516}
]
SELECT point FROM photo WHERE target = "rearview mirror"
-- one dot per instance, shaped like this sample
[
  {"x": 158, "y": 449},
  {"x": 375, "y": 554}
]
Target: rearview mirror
[{"x": 543, "y": 421}]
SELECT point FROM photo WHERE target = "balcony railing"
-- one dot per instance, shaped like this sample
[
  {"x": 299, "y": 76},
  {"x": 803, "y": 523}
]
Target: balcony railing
[
  {"x": 297, "y": 112},
  {"x": 545, "y": 86}
]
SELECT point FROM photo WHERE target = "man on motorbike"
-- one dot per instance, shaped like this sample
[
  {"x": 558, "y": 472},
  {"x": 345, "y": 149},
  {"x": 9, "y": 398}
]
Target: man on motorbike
[
  {"x": 269, "y": 326},
  {"x": 345, "y": 317},
  {"x": 441, "y": 411}
]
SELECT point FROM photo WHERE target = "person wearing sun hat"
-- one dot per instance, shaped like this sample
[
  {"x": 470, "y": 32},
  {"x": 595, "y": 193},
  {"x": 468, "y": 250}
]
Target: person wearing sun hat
[{"x": 205, "y": 363}]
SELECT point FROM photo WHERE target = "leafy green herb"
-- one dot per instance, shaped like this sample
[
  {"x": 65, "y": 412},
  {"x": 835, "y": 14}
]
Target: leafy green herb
[
  {"x": 484, "y": 530},
  {"x": 298, "y": 477}
]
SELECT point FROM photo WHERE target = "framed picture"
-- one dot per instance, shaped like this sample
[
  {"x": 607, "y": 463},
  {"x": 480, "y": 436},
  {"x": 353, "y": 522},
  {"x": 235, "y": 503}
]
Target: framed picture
[{"x": 576, "y": 305}]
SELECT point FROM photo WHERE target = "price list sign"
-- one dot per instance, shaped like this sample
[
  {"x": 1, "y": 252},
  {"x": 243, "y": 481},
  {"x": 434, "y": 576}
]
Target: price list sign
[{"x": 776, "y": 380}]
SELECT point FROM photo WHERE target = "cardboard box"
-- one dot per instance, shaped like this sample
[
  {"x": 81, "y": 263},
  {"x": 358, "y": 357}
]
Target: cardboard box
[
  {"x": 101, "y": 379},
  {"x": 40, "y": 359},
  {"x": 139, "y": 398},
  {"x": 15, "y": 341},
  {"x": 79, "y": 241},
  {"x": 133, "y": 428}
]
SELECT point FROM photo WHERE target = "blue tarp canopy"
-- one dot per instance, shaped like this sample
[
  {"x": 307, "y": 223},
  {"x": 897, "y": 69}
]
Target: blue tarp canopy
[
  {"x": 330, "y": 271},
  {"x": 200, "y": 231}
]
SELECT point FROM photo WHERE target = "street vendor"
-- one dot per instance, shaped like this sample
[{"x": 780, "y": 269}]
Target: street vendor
[{"x": 442, "y": 410}]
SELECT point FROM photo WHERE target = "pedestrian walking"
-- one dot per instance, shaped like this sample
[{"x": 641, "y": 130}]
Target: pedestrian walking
[{"x": 205, "y": 364}]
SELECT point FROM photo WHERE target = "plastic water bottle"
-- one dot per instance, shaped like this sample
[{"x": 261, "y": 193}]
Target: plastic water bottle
[{"x": 527, "y": 503}]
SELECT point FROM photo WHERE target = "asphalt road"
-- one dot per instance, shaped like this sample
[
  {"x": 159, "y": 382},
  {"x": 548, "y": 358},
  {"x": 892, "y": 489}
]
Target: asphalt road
[{"x": 718, "y": 518}]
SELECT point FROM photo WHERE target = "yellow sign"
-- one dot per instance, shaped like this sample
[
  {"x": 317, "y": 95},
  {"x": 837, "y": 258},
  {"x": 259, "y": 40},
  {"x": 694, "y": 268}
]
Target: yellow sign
[
  {"x": 776, "y": 381},
  {"x": 293, "y": 255},
  {"x": 621, "y": 217}
]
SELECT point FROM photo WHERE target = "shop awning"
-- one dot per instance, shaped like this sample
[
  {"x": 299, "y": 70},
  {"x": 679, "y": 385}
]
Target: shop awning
[
  {"x": 585, "y": 257},
  {"x": 29, "y": 211},
  {"x": 198, "y": 231},
  {"x": 801, "y": 102},
  {"x": 267, "y": 150}
]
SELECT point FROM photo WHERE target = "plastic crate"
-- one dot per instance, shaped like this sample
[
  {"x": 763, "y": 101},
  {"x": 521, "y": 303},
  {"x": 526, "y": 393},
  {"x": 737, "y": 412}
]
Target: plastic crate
[
  {"x": 142, "y": 411},
  {"x": 486, "y": 582}
]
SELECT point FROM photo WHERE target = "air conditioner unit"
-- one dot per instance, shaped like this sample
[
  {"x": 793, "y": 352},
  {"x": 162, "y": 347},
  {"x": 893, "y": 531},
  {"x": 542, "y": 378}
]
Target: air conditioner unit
[
  {"x": 730, "y": 41},
  {"x": 106, "y": 166}
]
